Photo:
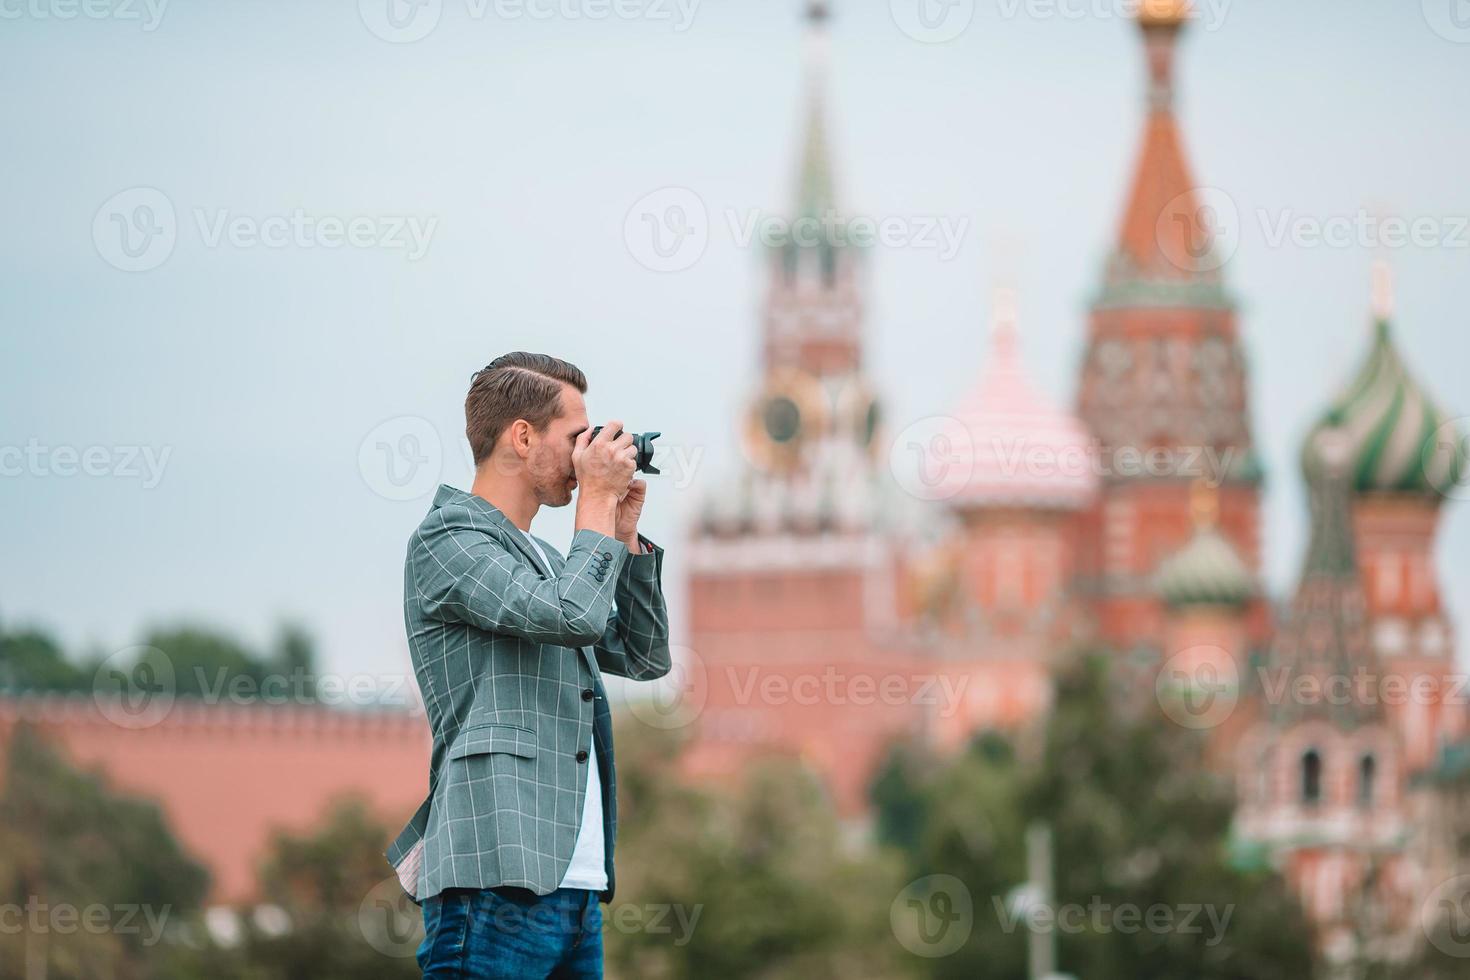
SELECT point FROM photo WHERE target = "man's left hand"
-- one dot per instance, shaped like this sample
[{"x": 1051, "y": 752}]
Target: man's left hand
[{"x": 630, "y": 508}]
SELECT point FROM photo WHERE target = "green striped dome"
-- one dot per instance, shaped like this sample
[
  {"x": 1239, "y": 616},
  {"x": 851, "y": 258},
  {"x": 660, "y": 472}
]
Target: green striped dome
[
  {"x": 1206, "y": 571},
  {"x": 1399, "y": 439}
]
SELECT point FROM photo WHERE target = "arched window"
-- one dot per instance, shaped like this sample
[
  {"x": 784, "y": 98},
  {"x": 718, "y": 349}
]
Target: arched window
[
  {"x": 1367, "y": 769},
  {"x": 1311, "y": 777}
]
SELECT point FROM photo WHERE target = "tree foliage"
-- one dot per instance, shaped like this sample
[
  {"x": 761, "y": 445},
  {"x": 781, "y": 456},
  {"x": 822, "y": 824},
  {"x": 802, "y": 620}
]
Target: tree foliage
[
  {"x": 94, "y": 876},
  {"x": 1138, "y": 824}
]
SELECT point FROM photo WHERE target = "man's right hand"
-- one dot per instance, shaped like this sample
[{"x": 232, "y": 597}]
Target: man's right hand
[{"x": 604, "y": 467}]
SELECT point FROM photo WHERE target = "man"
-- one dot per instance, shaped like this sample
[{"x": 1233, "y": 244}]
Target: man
[{"x": 513, "y": 849}]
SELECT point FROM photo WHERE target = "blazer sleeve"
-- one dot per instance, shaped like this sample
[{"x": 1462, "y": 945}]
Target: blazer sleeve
[
  {"x": 463, "y": 574},
  {"x": 635, "y": 643}
]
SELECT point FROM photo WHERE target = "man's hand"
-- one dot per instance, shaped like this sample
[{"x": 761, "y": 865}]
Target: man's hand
[
  {"x": 604, "y": 468},
  {"x": 629, "y": 510}
]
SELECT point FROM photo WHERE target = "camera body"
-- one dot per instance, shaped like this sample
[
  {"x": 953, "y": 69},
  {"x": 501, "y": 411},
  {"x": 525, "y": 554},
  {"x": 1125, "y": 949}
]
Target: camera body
[{"x": 643, "y": 442}]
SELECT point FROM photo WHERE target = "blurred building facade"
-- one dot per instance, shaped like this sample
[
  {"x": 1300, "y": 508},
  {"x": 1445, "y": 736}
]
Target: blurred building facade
[
  {"x": 230, "y": 776},
  {"x": 952, "y": 563}
]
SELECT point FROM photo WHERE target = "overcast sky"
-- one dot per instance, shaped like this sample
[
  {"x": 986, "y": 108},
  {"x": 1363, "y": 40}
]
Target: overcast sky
[{"x": 346, "y": 222}]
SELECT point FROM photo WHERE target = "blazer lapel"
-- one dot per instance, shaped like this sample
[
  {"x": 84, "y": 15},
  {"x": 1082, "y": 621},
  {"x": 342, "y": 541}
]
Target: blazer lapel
[{"x": 516, "y": 536}]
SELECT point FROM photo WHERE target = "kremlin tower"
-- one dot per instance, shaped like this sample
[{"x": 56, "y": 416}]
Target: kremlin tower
[
  {"x": 832, "y": 613},
  {"x": 791, "y": 571}
]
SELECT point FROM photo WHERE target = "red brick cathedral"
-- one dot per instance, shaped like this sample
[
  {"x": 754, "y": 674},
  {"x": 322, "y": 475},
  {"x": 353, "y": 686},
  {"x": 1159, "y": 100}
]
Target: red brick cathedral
[{"x": 851, "y": 585}]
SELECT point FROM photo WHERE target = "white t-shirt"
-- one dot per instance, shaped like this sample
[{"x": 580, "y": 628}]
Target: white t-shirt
[{"x": 588, "y": 868}]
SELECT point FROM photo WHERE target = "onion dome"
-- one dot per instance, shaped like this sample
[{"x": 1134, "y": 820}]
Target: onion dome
[
  {"x": 1012, "y": 446},
  {"x": 1207, "y": 570},
  {"x": 1398, "y": 438}
]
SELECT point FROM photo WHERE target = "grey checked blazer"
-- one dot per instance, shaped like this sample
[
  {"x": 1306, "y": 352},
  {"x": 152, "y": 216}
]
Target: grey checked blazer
[{"x": 508, "y": 662}]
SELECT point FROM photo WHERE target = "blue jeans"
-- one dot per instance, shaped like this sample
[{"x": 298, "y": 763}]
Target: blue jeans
[{"x": 478, "y": 934}]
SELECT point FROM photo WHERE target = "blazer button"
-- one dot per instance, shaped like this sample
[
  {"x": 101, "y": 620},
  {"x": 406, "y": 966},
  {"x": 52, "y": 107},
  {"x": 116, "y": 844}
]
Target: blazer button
[
  {"x": 581, "y": 755},
  {"x": 607, "y": 556},
  {"x": 587, "y": 694}
]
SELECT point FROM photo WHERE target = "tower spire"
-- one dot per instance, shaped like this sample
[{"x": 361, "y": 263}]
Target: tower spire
[
  {"x": 1325, "y": 635},
  {"x": 1382, "y": 291},
  {"x": 1167, "y": 233},
  {"x": 814, "y": 184},
  {"x": 1003, "y": 331}
]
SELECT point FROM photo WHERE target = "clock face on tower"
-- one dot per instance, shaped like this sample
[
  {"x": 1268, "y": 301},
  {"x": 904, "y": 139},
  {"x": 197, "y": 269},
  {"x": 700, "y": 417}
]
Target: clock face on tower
[
  {"x": 781, "y": 418},
  {"x": 790, "y": 412},
  {"x": 857, "y": 413}
]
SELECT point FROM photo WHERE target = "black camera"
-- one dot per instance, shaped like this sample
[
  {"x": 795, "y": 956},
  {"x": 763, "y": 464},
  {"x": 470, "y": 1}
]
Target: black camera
[{"x": 643, "y": 442}]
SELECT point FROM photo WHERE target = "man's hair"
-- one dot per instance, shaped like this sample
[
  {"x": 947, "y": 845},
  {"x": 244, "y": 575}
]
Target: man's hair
[{"x": 514, "y": 386}]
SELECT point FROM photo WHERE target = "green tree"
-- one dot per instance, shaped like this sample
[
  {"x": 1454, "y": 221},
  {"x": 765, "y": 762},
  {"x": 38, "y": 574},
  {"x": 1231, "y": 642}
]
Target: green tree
[
  {"x": 209, "y": 663},
  {"x": 751, "y": 882},
  {"x": 328, "y": 911},
  {"x": 31, "y": 660},
  {"x": 94, "y": 877},
  {"x": 1138, "y": 823},
  {"x": 203, "y": 662}
]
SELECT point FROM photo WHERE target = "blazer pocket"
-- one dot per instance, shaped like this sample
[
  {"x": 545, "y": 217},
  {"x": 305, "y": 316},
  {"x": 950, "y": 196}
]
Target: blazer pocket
[{"x": 483, "y": 739}]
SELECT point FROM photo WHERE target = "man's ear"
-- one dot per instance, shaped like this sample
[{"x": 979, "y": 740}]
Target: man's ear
[{"x": 518, "y": 434}]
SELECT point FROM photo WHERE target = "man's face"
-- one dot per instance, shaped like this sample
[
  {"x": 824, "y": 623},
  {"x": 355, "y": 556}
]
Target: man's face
[{"x": 550, "y": 460}]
